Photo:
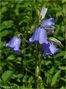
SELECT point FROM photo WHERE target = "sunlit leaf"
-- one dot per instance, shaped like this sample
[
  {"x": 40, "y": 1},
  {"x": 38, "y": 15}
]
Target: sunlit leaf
[
  {"x": 63, "y": 87},
  {"x": 62, "y": 68},
  {"x": 55, "y": 41},
  {"x": 6, "y": 76},
  {"x": 55, "y": 78}
]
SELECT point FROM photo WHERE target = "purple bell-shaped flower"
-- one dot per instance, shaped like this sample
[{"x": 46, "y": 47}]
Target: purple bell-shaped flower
[
  {"x": 14, "y": 44},
  {"x": 48, "y": 25},
  {"x": 49, "y": 49},
  {"x": 39, "y": 35},
  {"x": 48, "y": 22}
]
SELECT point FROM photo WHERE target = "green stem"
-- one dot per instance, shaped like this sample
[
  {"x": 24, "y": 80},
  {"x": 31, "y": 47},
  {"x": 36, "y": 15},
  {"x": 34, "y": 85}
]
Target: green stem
[{"x": 39, "y": 83}]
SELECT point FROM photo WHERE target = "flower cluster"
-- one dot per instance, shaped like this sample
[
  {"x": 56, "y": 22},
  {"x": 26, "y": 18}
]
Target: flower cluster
[{"x": 40, "y": 36}]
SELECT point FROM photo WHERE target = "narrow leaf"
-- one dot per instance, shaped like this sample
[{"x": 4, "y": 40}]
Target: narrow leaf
[
  {"x": 55, "y": 41},
  {"x": 55, "y": 78},
  {"x": 62, "y": 68}
]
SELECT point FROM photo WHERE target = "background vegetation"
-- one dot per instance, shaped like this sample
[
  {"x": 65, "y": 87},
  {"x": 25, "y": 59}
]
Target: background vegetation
[{"x": 17, "y": 71}]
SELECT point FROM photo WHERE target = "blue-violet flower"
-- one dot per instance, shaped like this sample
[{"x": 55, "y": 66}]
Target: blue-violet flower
[
  {"x": 39, "y": 35},
  {"x": 49, "y": 49},
  {"x": 14, "y": 44},
  {"x": 48, "y": 22}
]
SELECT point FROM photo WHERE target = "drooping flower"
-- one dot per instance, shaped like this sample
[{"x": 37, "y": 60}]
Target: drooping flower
[
  {"x": 48, "y": 22},
  {"x": 14, "y": 44},
  {"x": 39, "y": 35},
  {"x": 48, "y": 25},
  {"x": 49, "y": 49}
]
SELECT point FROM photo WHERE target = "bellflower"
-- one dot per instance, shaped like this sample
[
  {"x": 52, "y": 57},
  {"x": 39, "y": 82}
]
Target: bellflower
[
  {"x": 39, "y": 35},
  {"x": 49, "y": 49},
  {"x": 49, "y": 22},
  {"x": 14, "y": 44}
]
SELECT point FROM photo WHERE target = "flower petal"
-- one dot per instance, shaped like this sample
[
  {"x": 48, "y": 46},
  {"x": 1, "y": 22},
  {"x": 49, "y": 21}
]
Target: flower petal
[
  {"x": 17, "y": 50},
  {"x": 42, "y": 36},
  {"x": 49, "y": 49},
  {"x": 53, "y": 48},
  {"x": 39, "y": 35},
  {"x": 49, "y": 22},
  {"x": 35, "y": 36},
  {"x": 14, "y": 43},
  {"x": 43, "y": 12}
]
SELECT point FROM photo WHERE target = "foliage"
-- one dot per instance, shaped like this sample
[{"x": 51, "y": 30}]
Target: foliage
[{"x": 17, "y": 71}]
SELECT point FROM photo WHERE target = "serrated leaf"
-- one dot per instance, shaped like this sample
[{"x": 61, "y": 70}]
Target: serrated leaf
[
  {"x": 6, "y": 76},
  {"x": 55, "y": 41},
  {"x": 55, "y": 78}
]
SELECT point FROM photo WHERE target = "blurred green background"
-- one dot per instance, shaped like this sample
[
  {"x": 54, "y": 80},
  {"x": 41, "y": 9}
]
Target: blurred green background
[{"x": 17, "y": 71}]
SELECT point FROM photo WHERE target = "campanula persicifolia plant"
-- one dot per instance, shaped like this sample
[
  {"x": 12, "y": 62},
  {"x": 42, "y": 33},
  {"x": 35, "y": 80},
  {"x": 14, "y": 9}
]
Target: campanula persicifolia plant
[
  {"x": 40, "y": 36},
  {"x": 40, "y": 62}
]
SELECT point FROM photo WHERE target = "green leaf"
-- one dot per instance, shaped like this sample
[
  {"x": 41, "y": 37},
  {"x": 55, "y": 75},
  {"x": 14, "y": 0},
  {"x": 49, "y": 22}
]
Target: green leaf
[
  {"x": 63, "y": 79},
  {"x": 56, "y": 41},
  {"x": 63, "y": 87},
  {"x": 2, "y": 44},
  {"x": 2, "y": 33},
  {"x": 55, "y": 78},
  {"x": 51, "y": 71},
  {"x": 58, "y": 14},
  {"x": 63, "y": 1},
  {"x": 62, "y": 68},
  {"x": 11, "y": 57},
  {"x": 6, "y": 24},
  {"x": 6, "y": 76},
  {"x": 62, "y": 53},
  {"x": 25, "y": 87}
]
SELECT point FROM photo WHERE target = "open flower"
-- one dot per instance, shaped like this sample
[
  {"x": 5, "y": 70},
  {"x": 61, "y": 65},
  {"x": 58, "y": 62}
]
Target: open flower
[
  {"x": 14, "y": 44},
  {"x": 48, "y": 25},
  {"x": 39, "y": 35},
  {"x": 48, "y": 22},
  {"x": 49, "y": 49}
]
